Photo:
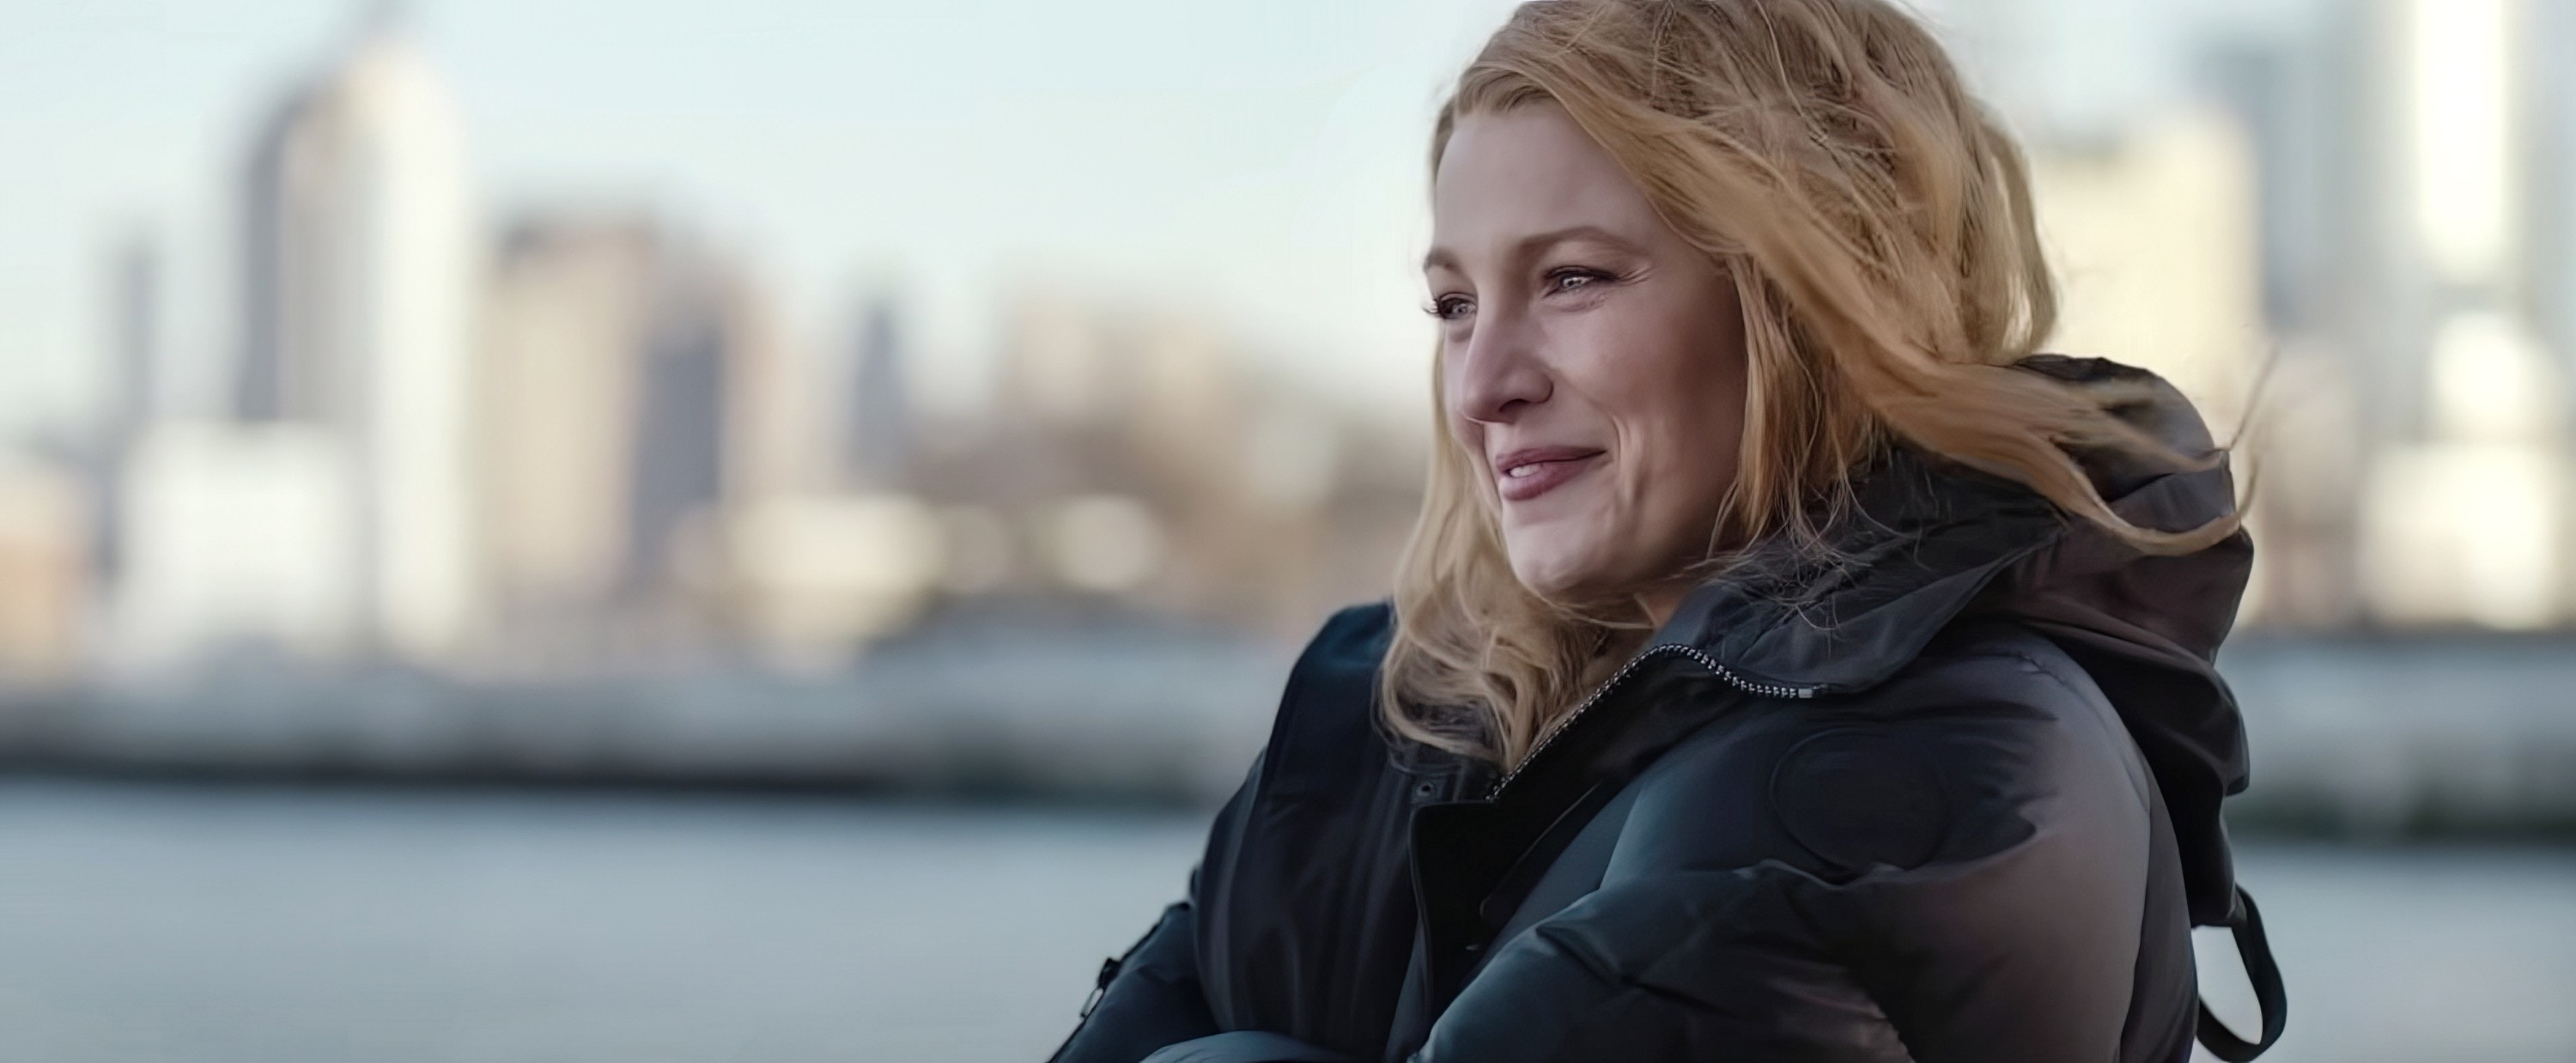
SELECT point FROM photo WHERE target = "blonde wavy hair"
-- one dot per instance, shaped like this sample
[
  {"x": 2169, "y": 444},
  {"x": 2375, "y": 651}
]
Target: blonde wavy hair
[{"x": 1876, "y": 220}]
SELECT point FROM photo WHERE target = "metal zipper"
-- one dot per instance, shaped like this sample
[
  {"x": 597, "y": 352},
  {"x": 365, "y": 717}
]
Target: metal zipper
[{"x": 1771, "y": 690}]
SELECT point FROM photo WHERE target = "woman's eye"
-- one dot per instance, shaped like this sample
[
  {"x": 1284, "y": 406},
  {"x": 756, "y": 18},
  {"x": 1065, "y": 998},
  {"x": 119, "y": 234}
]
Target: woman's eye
[
  {"x": 1449, "y": 307},
  {"x": 1568, "y": 280}
]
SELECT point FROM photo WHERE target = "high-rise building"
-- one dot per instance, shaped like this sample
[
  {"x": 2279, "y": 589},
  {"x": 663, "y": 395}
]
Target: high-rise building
[
  {"x": 238, "y": 535},
  {"x": 2271, "y": 85},
  {"x": 690, "y": 447},
  {"x": 2156, "y": 243},
  {"x": 630, "y": 400},
  {"x": 2466, "y": 506},
  {"x": 362, "y": 249},
  {"x": 879, "y": 418},
  {"x": 134, "y": 324},
  {"x": 44, "y": 568},
  {"x": 2552, "y": 89},
  {"x": 561, "y": 382},
  {"x": 2466, "y": 513},
  {"x": 2310, "y": 439}
]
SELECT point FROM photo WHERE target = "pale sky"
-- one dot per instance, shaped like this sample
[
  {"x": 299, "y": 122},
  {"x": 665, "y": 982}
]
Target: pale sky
[{"x": 1257, "y": 162}]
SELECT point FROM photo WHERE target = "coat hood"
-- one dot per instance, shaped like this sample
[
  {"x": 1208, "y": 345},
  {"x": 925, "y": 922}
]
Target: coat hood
[{"x": 1931, "y": 542}]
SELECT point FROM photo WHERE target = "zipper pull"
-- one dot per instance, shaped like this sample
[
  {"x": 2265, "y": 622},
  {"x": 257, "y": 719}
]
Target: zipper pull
[{"x": 1100, "y": 987}]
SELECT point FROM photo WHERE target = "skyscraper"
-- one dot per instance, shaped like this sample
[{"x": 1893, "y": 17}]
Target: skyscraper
[
  {"x": 570, "y": 307},
  {"x": 879, "y": 417},
  {"x": 629, "y": 402},
  {"x": 2466, "y": 514},
  {"x": 362, "y": 249},
  {"x": 134, "y": 323}
]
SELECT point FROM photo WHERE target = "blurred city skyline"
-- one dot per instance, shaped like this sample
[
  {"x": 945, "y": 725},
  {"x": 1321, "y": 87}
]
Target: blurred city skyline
[
  {"x": 1265, "y": 160},
  {"x": 1260, "y": 161},
  {"x": 537, "y": 374},
  {"x": 473, "y": 399}
]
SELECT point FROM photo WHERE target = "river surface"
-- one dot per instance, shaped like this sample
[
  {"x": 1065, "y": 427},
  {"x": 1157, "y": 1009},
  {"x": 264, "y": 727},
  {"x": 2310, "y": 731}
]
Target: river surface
[{"x": 187, "y": 923}]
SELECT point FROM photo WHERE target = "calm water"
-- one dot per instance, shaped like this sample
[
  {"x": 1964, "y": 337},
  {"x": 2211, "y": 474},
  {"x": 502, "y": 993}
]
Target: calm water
[{"x": 148, "y": 923}]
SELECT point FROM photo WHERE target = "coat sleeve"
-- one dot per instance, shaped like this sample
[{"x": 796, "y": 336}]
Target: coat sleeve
[
  {"x": 1153, "y": 998},
  {"x": 1247, "y": 1046},
  {"x": 2014, "y": 941}
]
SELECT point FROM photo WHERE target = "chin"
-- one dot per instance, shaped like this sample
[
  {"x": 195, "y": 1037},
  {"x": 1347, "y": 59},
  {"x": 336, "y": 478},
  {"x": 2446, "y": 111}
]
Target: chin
[{"x": 1553, "y": 576}]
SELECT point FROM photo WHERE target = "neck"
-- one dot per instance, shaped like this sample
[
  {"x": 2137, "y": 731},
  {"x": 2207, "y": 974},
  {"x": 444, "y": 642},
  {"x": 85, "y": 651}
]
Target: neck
[{"x": 1662, "y": 602}]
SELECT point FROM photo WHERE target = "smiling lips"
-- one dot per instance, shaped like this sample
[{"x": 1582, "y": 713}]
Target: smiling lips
[{"x": 1527, "y": 473}]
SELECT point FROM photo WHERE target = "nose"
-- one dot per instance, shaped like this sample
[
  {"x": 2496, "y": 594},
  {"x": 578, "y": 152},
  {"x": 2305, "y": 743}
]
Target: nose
[{"x": 1499, "y": 374}]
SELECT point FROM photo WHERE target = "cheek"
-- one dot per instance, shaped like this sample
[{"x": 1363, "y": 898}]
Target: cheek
[
  {"x": 1468, "y": 434},
  {"x": 1670, "y": 392},
  {"x": 1678, "y": 399},
  {"x": 1462, "y": 428},
  {"x": 1469, "y": 437}
]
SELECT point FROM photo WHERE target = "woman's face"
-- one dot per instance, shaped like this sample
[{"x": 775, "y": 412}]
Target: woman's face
[{"x": 1592, "y": 361}]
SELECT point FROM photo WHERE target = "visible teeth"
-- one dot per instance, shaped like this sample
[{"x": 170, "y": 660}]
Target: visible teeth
[{"x": 1519, "y": 471}]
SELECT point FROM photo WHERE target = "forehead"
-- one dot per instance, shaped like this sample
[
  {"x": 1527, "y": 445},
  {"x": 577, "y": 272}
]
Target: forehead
[{"x": 1509, "y": 174}]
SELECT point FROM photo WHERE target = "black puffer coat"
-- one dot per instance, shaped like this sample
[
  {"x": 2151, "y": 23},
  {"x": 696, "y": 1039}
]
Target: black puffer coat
[{"x": 1955, "y": 800}]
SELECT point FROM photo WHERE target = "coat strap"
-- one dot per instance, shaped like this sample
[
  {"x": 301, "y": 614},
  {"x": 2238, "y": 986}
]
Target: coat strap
[{"x": 2260, "y": 969}]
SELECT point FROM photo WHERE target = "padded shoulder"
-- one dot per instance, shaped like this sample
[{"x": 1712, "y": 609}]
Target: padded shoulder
[
  {"x": 1353, "y": 635},
  {"x": 1974, "y": 667},
  {"x": 1966, "y": 752},
  {"x": 1326, "y": 729}
]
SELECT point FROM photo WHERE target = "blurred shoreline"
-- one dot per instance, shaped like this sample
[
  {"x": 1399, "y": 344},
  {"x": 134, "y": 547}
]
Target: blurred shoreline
[
  {"x": 2264, "y": 824},
  {"x": 1029, "y": 700},
  {"x": 2355, "y": 736}
]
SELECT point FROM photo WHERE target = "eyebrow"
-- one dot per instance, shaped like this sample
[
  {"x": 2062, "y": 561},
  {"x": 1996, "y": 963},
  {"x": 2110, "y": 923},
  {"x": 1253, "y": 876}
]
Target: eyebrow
[{"x": 1441, "y": 256}]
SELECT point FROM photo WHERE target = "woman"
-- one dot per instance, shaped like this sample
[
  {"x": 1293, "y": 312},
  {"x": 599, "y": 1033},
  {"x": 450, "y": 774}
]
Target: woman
[{"x": 1789, "y": 663}]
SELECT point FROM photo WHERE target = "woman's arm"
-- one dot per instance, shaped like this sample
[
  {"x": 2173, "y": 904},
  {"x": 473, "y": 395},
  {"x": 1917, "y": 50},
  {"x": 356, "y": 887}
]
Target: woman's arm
[
  {"x": 1980, "y": 894},
  {"x": 1991, "y": 963},
  {"x": 1150, "y": 997}
]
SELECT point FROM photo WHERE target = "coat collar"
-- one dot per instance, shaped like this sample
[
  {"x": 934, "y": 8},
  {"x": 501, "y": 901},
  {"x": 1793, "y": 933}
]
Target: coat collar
[{"x": 1919, "y": 544}]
